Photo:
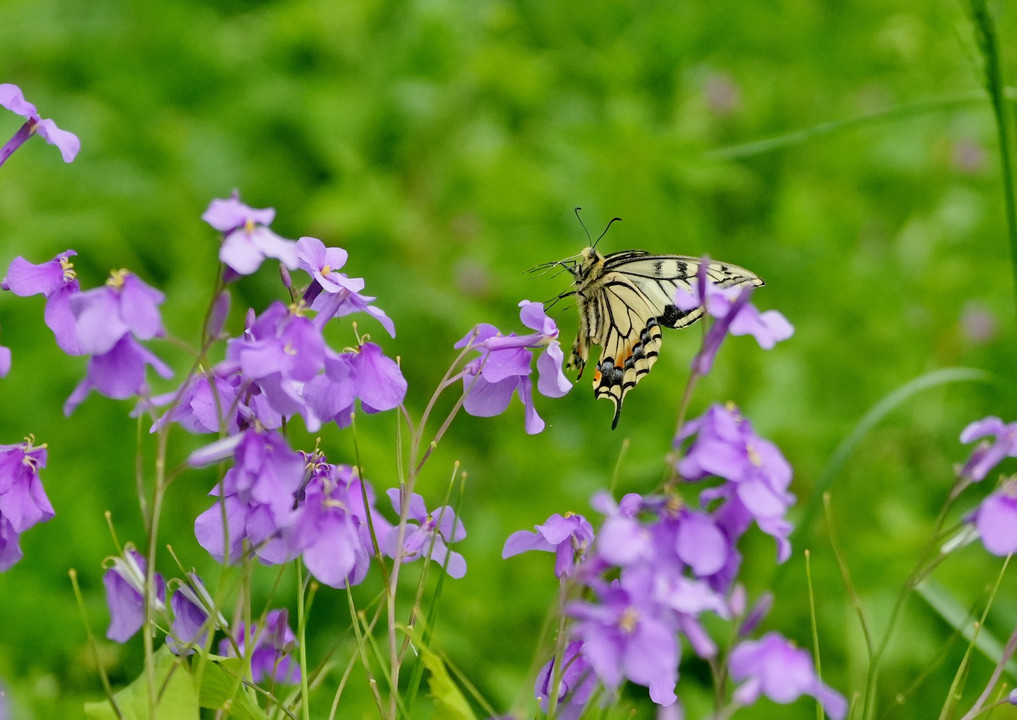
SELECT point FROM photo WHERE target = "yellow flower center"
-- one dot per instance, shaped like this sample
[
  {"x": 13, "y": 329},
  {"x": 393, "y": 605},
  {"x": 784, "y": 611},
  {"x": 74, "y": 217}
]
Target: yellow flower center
[
  {"x": 629, "y": 619},
  {"x": 68, "y": 268},
  {"x": 753, "y": 456},
  {"x": 117, "y": 278}
]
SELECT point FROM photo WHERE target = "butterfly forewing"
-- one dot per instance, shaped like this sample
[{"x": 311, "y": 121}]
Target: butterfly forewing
[{"x": 624, "y": 298}]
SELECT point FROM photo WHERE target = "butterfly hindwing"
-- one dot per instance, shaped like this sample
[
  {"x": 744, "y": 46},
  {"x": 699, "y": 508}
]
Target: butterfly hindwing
[{"x": 624, "y": 299}]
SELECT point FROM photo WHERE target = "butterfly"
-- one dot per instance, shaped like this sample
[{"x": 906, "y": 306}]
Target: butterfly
[{"x": 624, "y": 298}]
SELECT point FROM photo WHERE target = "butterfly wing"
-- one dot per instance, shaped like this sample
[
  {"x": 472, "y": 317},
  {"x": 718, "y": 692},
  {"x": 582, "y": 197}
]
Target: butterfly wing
[{"x": 623, "y": 306}]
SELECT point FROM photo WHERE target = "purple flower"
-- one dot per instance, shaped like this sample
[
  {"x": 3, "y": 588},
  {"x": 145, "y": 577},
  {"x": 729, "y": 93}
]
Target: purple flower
[
  {"x": 986, "y": 456},
  {"x": 323, "y": 264},
  {"x": 774, "y": 667},
  {"x": 196, "y": 407},
  {"x": 246, "y": 237},
  {"x": 365, "y": 373},
  {"x": 576, "y": 683},
  {"x": 567, "y": 536},
  {"x": 626, "y": 635},
  {"x": 5, "y": 361},
  {"x": 257, "y": 494},
  {"x": 192, "y": 609},
  {"x": 125, "y": 595},
  {"x": 118, "y": 374},
  {"x": 504, "y": 366},
  {"x": 734, "y": 315},
  {"x": 331, "y": 293},
  {"x": 10, "y": 546},
  {"x": 996, "y": 520},
  {"x": 758, "y": 475},
  {"x": 273, "y": 644},
  {"x": 428, "y": 538},
  {"x": 23, "y": 501},
  {"x": 123, "y": 306},
  {"x": 57, "y": 281},
  {"x": 331, "y": 528},
  {"x": 12, "y": 99},
  {"x": 283, "y": 356},
  {"x": 108, "y": 323}
]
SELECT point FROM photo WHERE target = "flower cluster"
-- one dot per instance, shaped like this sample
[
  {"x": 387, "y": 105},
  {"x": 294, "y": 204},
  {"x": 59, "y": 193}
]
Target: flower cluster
[
  {"x": 192, "y": 618},
  {"x": 757, "y": 475},
  {"x": 105, "y": 323},
  {"x": 658, "y": 564},
  {"x": 283, "y": 505},
  {"x": 635, "y": 592},
  {"x": 281, "y": 366},
  {"x": 505, "y": 365}
]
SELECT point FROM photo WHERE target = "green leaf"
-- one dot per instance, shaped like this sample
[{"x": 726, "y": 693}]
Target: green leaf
[
  {"x": 958, "y": 617},
  {"x": 449, "y": 701},
  {"x": 221, "y": 688},
  {"x": 177, "y": 700}
]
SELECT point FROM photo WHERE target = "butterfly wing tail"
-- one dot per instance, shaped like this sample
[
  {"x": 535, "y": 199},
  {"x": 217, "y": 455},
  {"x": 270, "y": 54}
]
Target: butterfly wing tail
[{"x": 615, "y": 377}]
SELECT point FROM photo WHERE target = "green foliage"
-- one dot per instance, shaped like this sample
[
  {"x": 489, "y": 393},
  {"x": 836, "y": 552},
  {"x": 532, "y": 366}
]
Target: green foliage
[
  {"x": 176, "y": 699},
  {"x": 221, "y": 688},
  {"x": 444, "y": 145}
]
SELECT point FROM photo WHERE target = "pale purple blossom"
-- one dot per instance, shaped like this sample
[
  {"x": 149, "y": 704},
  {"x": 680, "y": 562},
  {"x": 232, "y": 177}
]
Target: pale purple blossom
[
  {"x": 125, "y": 594},
  {"x": 57, "y": 281},
  {"x": 758, "y": 476},
  {"x": 247, "y": 240},
  {"x": 364, "y": 373},
  {"x": 193, "y": 609},
  {"x": 331, "y": 528},
  {"x": 12, "y": 98},
  {"x": 505, "y": 366},
  {"x": 996, "y": 520},
  {"x": 988, "y": 455},
  {"x": 322, "y": 264},
  {"x": 733, "y": 315},
  {"x": 109, "y": 321},
  {"x": 428, "y": 536},
  {"x": 118, "y": 374},
  {"x": 271, "y": 654},
  {"x": 773, "y": 667},
  {"x": 568, "y": 536},
  {"x": 23, "y": 501},
  {"x": 627, "y": 636},
  {"x": 576, "y": 683},
  {"x": 197, "y": 408},
  {"x": 257, "y": 494}
]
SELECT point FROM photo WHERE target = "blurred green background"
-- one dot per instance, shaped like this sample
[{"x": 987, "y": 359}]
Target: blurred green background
[{"x": 445, "y": 145}]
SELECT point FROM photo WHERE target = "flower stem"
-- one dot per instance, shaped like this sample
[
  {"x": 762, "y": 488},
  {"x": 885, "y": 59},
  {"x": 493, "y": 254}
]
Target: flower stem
[{"x": 988, "y": 43}]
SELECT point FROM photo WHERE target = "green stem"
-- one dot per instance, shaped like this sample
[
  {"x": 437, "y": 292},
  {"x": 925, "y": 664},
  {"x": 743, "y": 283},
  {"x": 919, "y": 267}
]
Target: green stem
[
  {"x": 305, "y": 706},
  {"x": 988, "y": 43}
]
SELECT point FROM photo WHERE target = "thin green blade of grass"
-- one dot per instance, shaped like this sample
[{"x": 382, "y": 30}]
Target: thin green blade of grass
[
  {"x": 797, "y": 137},
  {"x": 959, "y": 618},
  {"x": 987, "y": 40}
]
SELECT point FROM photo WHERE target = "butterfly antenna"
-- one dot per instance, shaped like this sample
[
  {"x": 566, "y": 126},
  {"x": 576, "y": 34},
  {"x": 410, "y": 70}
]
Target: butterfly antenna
[
  {"x": 580, "y": 219},
  {"x": 609, "y": 224}
]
